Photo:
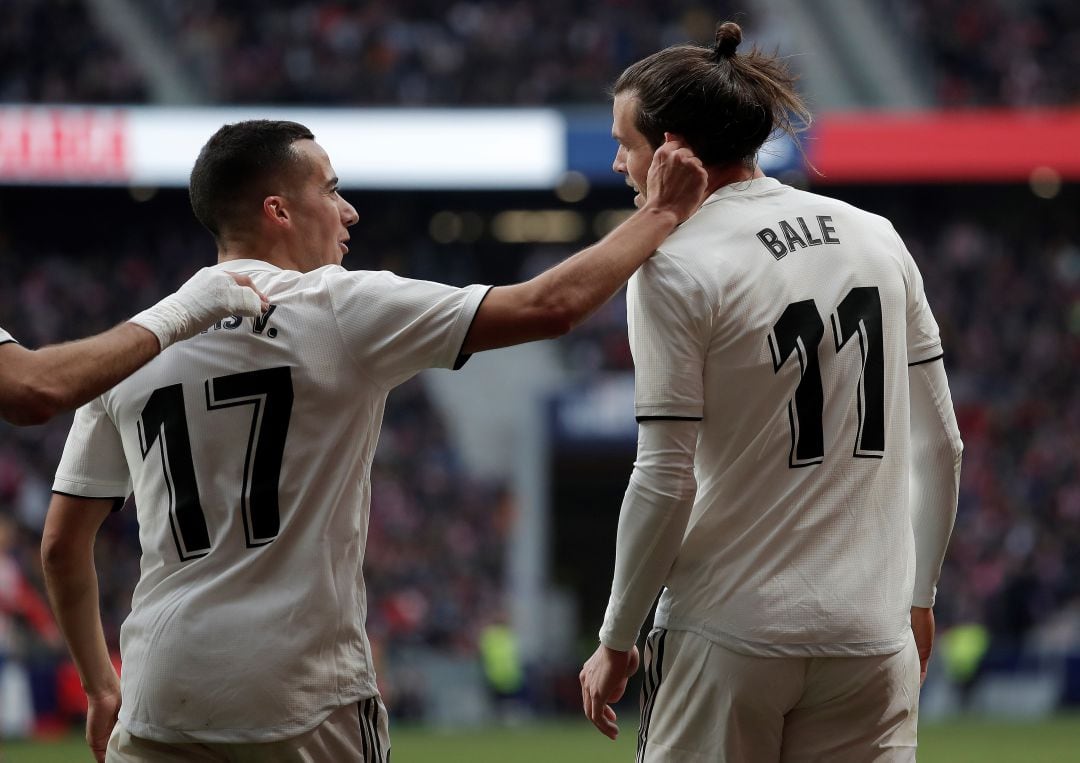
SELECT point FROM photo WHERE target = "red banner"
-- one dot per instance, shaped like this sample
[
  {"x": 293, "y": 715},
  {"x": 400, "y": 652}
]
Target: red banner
[
  {"x": 41, "y": 144},
  {"x": 945, "y": 146}
]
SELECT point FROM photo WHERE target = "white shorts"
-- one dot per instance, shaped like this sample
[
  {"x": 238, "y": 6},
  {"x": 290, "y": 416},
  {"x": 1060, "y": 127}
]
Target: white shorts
[
  {"x": 356, "y": 733},
  {"x": 702, "y": 702}
]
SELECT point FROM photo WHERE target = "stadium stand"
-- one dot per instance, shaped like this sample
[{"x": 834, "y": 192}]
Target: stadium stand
[
  {"x": 1013, "y": 54},
  {"x": 54, "y": 53},
  {"x": 420, "y": 52},
  {"x": 424, "y": 53}
]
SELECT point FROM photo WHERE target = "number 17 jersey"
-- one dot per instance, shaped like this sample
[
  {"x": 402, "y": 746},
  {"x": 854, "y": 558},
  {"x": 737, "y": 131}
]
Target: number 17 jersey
[
  {"x": 786, "y": 322},
  {"x": 249, "y": 451}
]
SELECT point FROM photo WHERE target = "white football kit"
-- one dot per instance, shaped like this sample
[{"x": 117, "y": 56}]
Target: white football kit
[
  {"x": 249, "y": 451},
  {"x": 5, "y": 337},
  {"x": 788, "y": 324}
]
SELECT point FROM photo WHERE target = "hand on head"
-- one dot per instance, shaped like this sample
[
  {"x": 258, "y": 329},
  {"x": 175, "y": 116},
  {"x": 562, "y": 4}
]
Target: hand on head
[{"x": 677, "y": 178}]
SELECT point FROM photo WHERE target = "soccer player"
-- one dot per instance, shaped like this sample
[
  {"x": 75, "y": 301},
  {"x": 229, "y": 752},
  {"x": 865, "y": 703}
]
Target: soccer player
[
  {"x": 789, "y": 384},
  {"x": 35, "y": 385},
  {"x": 249, "y": 452}
]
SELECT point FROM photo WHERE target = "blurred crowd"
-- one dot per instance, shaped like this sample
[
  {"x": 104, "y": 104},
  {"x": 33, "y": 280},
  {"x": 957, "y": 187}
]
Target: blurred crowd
[
  {"x": 52, "y": 51},
  {"x": 479, "y": 52},
  {"x": 421, "y": 52},
  {"x": 1009, "y": 299},
  {"x": 996, "y": 52}
]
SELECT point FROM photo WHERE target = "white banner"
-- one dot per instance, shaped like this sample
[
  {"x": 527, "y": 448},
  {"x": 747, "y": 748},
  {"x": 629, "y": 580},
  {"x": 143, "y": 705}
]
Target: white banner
[{"x": 369, "y": 148}]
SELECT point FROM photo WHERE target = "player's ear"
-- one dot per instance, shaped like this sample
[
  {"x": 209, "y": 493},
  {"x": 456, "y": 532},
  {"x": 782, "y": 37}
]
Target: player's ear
[{"x": 275, "y": 211}]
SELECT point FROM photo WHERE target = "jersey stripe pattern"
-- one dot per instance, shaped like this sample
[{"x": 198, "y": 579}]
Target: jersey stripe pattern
[{"x": 654, "y": 674}]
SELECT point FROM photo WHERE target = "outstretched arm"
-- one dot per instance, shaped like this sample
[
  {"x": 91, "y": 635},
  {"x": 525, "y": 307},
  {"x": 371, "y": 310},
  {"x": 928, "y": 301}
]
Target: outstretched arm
[
  {"x": 67, "y": 553},
  {"x": 35, "y": 385},
  {"x": 555, "y": 301}
]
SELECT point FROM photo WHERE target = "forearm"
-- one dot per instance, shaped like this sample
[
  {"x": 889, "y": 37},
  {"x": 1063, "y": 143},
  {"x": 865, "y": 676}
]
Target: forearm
[
  {"x": 936, "y": 451},
  {"x": 555, "y": 301},
  {"x": 651, "y": 528},
  {"x": 67, "y": 556},
  {"x": 73, "y": 593},
  {"x": 62, "y": 377},
  {"x": 652, "y": 522},
  {"x": 36, "y": 385},
  {"x": 580, "y": 285}
]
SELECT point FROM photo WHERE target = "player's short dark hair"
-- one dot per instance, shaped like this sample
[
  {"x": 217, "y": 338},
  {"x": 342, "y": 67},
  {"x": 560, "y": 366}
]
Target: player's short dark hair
[
  {"x": 240, "y": 166},
  {"x": 724, "y": 104}
]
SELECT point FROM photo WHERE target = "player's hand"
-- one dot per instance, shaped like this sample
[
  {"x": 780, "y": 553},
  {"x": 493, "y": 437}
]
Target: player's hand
[
  {"x": 677, "y": 179},
  {"x": 245, "y": 303},
  {"x": 102, "y": 712},
  {"x": 603, "y": 681},
  {"x": 922, "y": 626},
  {"x": 207, "y": 297}
]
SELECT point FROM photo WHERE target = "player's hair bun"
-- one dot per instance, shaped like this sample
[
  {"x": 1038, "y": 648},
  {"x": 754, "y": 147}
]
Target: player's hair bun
[{"x": 728, "y": 37}]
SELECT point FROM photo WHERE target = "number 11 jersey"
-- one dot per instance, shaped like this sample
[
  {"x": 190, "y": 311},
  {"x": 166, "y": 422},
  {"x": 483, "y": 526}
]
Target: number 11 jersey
[{"x": 786, "y": 322}]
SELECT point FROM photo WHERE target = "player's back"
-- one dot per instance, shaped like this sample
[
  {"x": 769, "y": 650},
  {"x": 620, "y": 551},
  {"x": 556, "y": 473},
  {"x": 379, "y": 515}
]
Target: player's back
[
  {"x": 800, "y": 541},
  {"x": 249, "y": 449}
]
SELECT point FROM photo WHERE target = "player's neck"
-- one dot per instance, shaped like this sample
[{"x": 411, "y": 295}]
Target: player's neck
[
  {"x": 732, "y": 173},
  {"x": 276, "y": 255}
]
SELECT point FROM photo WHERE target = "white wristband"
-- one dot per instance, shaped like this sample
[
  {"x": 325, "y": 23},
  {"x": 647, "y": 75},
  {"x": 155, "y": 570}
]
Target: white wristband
[{"x": 207, "y": 297}]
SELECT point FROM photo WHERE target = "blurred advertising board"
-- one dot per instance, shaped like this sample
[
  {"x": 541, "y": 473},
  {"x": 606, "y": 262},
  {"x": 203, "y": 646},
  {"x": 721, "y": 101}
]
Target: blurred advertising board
[
  {"x": 495, "y": 149},
  {"x": 370, "y": 148}
]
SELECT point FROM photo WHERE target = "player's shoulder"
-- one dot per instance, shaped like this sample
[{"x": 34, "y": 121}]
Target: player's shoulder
[
  {"x": 740, "y": 207},
  {"x": 848, "y": 210},
  {"x": 338, "y": 277},
  {"x": 671, "y": 271},
  {"x": 314, "y": 287}
]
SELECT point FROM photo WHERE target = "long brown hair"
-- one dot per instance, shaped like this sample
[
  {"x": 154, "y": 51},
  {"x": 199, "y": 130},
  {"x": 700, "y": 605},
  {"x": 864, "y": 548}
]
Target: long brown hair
[{"x": 724, "y": 104}]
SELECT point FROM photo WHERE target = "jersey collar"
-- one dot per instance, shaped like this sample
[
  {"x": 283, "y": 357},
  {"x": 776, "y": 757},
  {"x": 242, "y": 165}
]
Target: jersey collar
[
  {"x": 246, "y": 264},
  {"x": 754, "y": 187}
]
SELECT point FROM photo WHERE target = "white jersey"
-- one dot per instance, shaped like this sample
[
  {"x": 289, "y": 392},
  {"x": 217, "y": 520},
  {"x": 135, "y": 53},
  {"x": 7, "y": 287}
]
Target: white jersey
[
  {"x": 249, "y": 451},
  {"x": 786, "y": 321},
  {"x": 5, "y": 337}
]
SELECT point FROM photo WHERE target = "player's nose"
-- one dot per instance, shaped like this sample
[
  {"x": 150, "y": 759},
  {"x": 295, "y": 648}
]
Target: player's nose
[
  {"x": 619, "y": 163},
  {"x": 349, "y": 215}
]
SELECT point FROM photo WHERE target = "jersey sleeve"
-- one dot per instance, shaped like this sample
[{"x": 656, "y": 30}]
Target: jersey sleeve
[
  {"x": 394, "y": 327},
  {"x": 5, "y": 337},
  {"x": 93, "y": 463},
  {"x": 923, "y": 335},
  {"x": 652, "y": 522},
  {"x": 936, "y": 452},
  {"x": 669, "y": 319}
]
